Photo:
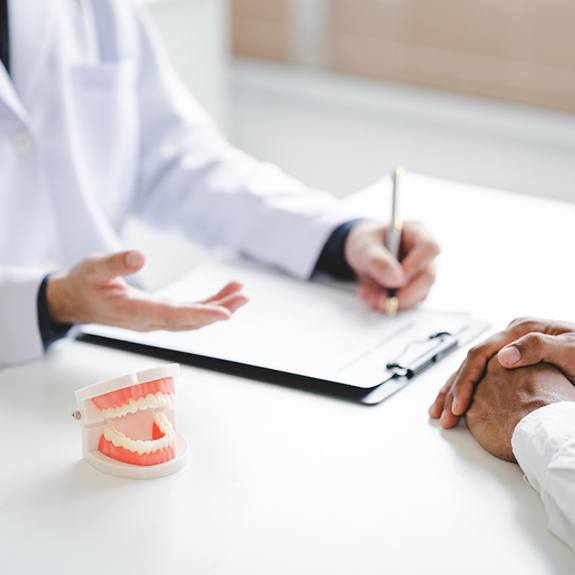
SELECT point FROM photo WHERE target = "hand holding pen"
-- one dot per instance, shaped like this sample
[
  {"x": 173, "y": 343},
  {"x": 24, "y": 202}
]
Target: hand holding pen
[{"x": 405, "y": 272}]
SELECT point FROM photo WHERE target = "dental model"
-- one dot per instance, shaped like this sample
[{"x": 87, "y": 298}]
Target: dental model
[{"x": 129, "y": 426}]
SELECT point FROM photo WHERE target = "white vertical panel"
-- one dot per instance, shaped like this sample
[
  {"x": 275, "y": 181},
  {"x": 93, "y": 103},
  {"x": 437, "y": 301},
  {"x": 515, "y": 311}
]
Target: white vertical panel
[
  {"x": 196, "y": 34},
  {"x": 309, "y": 32}
]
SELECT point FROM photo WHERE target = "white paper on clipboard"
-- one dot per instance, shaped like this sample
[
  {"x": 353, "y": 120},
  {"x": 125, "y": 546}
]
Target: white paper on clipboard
[{"x": 304, "y": 328}]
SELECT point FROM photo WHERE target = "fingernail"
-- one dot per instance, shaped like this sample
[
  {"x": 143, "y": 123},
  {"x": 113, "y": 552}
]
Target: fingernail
[
  {"x": 133, "y": 259},
  {"x": 509, "y": 355},
  {"x": 455, "y": 406}
]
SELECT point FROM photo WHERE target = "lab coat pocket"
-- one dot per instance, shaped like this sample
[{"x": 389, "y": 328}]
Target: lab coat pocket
[{"x": 105, "y": 132}]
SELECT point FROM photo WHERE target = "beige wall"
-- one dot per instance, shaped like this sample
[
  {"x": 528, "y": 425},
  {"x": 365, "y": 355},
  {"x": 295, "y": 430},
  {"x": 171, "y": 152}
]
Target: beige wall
[
  {"x": 520, "y": 50},
  {"x": 261, "y": 28},
  {"x": 517, "y": 50}
]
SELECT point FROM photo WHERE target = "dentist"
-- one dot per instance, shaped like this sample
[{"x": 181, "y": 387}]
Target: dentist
[{"x": 95, "y": 127}]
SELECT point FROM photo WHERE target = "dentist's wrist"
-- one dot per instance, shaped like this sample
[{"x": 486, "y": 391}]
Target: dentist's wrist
[
  {"x": 333, "y": 259},
  {"x": 49, "y": 323}
]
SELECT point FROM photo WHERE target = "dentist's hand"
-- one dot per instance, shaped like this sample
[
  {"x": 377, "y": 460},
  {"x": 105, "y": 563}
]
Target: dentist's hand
[
  {"x": 525, "y": 342},
  {"x": 95, "y": 292},
  {"x": 378, "y": 271}
]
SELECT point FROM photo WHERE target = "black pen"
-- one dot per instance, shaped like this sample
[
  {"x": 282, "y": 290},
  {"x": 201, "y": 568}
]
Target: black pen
[{"x": 393, "y": 239}]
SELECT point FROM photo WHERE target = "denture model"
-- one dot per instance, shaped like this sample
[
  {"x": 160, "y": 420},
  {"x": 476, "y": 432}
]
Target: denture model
[{"x": 129, "y": 424}]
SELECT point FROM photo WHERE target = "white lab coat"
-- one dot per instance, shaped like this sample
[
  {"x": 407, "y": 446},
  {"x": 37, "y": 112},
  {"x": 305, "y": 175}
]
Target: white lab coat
[
  {"x": 94, "y": 127},
  {"x": 544, "y": 445}
]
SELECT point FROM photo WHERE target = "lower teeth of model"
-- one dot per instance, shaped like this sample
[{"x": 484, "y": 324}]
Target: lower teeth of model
[{"x": 140, "y": 446}]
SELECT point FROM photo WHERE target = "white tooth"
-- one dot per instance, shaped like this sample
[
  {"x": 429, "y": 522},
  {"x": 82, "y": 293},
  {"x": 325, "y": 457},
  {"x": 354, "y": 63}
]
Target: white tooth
[
  {"x": 140, "y": 446},
  {"x": 151, "y": 401}
]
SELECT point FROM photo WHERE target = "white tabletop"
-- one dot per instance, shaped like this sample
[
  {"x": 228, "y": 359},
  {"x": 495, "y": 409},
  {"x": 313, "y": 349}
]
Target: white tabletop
[{"x": 283, "y": 482}]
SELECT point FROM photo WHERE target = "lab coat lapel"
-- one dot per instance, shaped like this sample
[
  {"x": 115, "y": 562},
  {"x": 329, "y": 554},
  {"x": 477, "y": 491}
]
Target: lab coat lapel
[
  {"x": 10, "y": 103},
  {"x": 32, "y": 23}
]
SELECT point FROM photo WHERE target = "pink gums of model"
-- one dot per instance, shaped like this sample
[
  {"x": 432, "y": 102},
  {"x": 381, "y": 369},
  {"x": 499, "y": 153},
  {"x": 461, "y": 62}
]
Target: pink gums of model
[
  {"x": 139, "y": 424},
  {"x": 128, "y": 424}
]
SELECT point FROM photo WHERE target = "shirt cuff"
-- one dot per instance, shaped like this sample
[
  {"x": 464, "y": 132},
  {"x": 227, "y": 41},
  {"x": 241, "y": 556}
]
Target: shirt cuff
[
  {"x": 539, "y": 436},
  {"x": 332, "y": 259},
  {"x": 50, "y": 331}
]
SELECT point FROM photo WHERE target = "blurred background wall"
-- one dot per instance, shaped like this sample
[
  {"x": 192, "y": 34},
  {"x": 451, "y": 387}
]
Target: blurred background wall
[
  {"x": 516, "y": 50},
  {"x": 338, "y": 92}
]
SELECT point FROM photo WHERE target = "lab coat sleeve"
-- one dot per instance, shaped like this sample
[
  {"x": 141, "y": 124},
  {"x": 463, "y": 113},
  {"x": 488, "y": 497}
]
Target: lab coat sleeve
[
  {"x": 191, "y": 178},
  {"x": 20, "y": 338},
  {"x": 544, "y": 445}
]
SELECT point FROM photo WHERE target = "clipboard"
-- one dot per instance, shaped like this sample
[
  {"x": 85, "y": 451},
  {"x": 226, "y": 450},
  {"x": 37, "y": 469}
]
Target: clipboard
[{"x": 310, "y": 336}]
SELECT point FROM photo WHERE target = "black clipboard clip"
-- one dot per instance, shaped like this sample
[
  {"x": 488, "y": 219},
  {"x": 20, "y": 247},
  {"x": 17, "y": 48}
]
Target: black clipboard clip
[{"x": 420, "y": 355}]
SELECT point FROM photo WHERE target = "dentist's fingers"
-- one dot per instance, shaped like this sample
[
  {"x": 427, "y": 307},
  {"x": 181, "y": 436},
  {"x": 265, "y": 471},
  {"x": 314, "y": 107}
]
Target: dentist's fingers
[
  {"x": 229, "y": 289},
  {"x": 420, "y": 249},
  {"x": 143, "y": 314},
  {"x": 103, "y": 268},
  {"x": 233, "y": 302},
  {"x": 372, "y": 293},
  {"x": 417, "y": 289},
  {"x": 383, "y": 268}
]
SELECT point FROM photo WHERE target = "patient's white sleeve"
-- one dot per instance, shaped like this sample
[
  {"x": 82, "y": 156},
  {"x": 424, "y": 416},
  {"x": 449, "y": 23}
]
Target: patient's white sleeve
[{"x": 544, "y": 445}]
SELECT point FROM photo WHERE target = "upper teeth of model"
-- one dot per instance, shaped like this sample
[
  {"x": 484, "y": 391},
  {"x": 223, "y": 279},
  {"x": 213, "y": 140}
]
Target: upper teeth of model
[
  {"x": 142, "y": 446},
  {"x": 151, "y": 401}
]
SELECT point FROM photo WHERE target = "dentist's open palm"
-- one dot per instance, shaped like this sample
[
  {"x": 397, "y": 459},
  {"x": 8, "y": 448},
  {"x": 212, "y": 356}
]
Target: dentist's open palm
[{"x": 95, "y": 292}]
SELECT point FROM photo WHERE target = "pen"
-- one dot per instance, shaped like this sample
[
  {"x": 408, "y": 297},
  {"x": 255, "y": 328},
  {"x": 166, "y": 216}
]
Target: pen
[{"x": 393, "y": 239}]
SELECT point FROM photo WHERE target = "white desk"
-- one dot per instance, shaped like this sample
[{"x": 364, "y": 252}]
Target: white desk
[{"x": 283, "y": 482}]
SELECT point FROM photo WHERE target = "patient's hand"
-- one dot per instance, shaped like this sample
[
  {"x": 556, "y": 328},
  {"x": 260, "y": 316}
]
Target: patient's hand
[
  {"x": 524, "y": 342},
  {"x": 95, "y": 292},
  {"x": 504, "y": 397}
]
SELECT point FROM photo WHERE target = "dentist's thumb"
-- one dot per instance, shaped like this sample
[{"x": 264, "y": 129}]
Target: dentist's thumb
[{"x": 106, "y": 267}]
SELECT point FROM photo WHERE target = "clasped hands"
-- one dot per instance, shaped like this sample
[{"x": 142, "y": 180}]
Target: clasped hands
[
  {"x": 95, "y": 290},
  {"x": 529, "y": 365}
]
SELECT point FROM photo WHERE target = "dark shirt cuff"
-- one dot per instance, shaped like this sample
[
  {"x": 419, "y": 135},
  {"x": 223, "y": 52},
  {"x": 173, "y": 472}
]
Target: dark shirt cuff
[
  {"x": 332, "y": 259},
  {"x": 50, "y": 331}
]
